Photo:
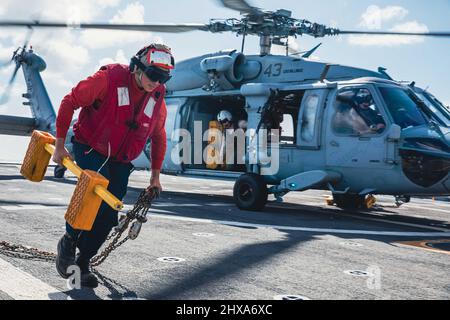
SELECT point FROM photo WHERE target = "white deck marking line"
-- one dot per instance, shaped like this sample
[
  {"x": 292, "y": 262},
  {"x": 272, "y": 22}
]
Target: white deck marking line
[
  {"x": 382, "y": 203},
  {"x": 163, "y": 205},
  {"x": 427, "y": 208},
  {"x": 30, "y": 207},
  {"x": 153, "y": 210},
  {"x": 316, "y": 230},
  {"x": 406, "y": 224},
  {"x": 356, "y": 216},
  {"x": 385, "y": 201},
  {"x": 219, "y": 204},
  {"x": 442, "y": 204},
  {"x": 20, "y": 285}
]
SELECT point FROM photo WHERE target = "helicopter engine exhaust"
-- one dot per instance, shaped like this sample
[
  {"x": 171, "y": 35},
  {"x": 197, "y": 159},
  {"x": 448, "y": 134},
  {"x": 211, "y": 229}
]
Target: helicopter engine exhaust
[
  {"x": 225, "y": 72},
  {"x": 220, "y": 71}
]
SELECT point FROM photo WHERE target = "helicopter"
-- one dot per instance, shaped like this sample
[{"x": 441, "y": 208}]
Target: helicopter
[{"x": 352, "y": 131}]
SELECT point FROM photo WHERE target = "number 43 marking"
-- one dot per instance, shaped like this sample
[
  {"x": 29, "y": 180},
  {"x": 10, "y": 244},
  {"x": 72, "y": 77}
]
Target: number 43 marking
[{"x": 273, "y": 70}]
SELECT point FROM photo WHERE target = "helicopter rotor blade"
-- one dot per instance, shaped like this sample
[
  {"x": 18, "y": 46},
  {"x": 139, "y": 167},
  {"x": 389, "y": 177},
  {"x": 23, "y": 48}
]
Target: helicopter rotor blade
[
  {"x": 169, "y": 28},
  {"x": 5, "y": 97},
  {"x": 240, "y": 5},
  {"x": 424, "y": 34}
]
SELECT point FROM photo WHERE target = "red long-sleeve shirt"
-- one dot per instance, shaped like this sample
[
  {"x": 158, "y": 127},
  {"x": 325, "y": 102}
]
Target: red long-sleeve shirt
[{"x": 95, "y": 88}]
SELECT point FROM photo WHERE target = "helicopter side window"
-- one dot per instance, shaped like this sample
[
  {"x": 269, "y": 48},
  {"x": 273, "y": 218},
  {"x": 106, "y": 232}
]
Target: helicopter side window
[
  {"x": 357, "y": 114},
  {"x": 309, "y": 118},
  {"x": 287, "y": 129}
]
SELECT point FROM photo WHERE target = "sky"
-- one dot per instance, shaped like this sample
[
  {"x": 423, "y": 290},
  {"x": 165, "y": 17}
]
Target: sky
[{"x": 72, "y": 55}]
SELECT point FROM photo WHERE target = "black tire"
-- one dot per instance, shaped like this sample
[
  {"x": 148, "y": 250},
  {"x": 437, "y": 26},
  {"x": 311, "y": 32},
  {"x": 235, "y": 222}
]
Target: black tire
[
  {"x": 59, "y": 172},
  {"x": 250, "y": 192},
  {"x": 349, "y": 201}
]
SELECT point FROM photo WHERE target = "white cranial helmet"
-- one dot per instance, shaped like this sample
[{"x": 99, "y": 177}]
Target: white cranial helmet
[{"x": 224, "y": 116}]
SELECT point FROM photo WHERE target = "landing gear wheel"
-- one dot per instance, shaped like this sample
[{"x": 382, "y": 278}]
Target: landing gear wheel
[
  {"x": 349, "y": 201},
  {"x": 250, "y": 192},
  {"x": 59, "y": 171}
]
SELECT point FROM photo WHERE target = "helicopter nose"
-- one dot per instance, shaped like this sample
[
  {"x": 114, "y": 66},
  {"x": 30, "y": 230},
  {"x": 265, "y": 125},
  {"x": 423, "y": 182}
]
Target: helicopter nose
[{"x": 426, "y": 170}]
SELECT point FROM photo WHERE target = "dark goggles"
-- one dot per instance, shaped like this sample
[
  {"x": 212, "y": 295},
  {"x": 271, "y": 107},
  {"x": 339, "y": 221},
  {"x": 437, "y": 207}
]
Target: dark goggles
[{"x": 155, "y": 74}]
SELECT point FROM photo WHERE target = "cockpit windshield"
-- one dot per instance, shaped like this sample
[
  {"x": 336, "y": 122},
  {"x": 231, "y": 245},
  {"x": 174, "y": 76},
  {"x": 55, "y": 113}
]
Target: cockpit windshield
[
  {"x": 438, "y": 109},
  {"x": 403, "y": 107}
]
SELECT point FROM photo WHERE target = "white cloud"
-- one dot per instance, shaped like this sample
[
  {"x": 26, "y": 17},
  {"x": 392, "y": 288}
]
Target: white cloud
[
  {"x": 13, "y": 106},
  {"x": 61, "y": 50},
  {"x": 392, "y": 40},
  {"x": 120, "y": 58},
  {"x": 59, "y": 79},
  {"x": 62, "y": 10},
  {"x": 4, "y": 7},
  {"x": 374, "y": 17},
  {"x": 60, "y": 46},
  {"x": 132, "y": 14},
  {"x": 5, "y": 54}
]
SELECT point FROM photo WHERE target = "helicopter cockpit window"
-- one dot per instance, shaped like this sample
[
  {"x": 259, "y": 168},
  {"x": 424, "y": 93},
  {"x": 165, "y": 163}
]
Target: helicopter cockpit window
[
  {"x": 357, "y": 114},
  {"x": 438, "y": 110},
  {"x": 405, "y": 111},
  {"x": 446, "y": 109}
]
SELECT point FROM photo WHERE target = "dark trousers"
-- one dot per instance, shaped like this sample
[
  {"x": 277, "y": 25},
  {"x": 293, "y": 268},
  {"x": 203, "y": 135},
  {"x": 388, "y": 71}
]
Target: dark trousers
[{"x": 89, "y": 242}]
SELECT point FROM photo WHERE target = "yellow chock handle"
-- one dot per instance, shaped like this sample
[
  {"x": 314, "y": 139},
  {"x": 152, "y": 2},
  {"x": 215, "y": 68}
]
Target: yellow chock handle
[
  {"x": 370, "y": 201},
  {"x": 329, "y": 200},
  {"x": 101, "y": 191}
]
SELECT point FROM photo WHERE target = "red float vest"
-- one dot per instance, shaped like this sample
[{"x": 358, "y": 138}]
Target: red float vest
[{"x": 115, "y": 127}]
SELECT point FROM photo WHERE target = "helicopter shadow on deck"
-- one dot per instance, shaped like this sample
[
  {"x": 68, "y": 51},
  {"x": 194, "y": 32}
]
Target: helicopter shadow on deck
[
  {"x": 281, "y": 211},
  {"x": 182, "y": 285},
  {"x": 215, "y": 274},
  {"x": 249, "y": 255}
]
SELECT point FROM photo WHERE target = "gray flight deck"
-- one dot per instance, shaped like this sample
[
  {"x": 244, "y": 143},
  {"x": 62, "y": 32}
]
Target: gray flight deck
[{"x": 299, "y": 248}]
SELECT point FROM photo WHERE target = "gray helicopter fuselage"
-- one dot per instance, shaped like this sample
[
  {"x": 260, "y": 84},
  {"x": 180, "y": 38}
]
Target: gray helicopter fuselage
[
  {"x": 232, "y": 70},
  {"x": 381, "y": 163}
]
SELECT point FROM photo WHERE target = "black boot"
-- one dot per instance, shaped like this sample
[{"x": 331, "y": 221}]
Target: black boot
[
  {"x": 65, "y": 255},
  {"x": 88, "y": 279}
]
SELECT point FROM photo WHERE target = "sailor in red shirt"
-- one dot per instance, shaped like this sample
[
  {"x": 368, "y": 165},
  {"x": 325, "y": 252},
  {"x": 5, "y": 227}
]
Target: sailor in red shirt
[{"x": 121, "y": 108}]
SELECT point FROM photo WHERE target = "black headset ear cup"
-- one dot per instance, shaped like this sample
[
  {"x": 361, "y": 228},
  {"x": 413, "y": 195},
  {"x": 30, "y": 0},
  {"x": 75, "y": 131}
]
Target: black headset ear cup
[{"x": 133, "y": 64}]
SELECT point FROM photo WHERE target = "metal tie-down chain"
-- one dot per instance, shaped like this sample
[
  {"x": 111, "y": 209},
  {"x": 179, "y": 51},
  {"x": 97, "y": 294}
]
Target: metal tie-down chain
[
  {"x": 136, "y": 217},
  {"x": 138, "y": 213},
  {"x": 23, "y": 252}
]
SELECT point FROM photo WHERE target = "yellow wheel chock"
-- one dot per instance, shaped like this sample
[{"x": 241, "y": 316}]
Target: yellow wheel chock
[
  {"x": 370, "y": 201},
  {"x": 91, "y": 188},
  {"x": 329, "y": 200}
]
